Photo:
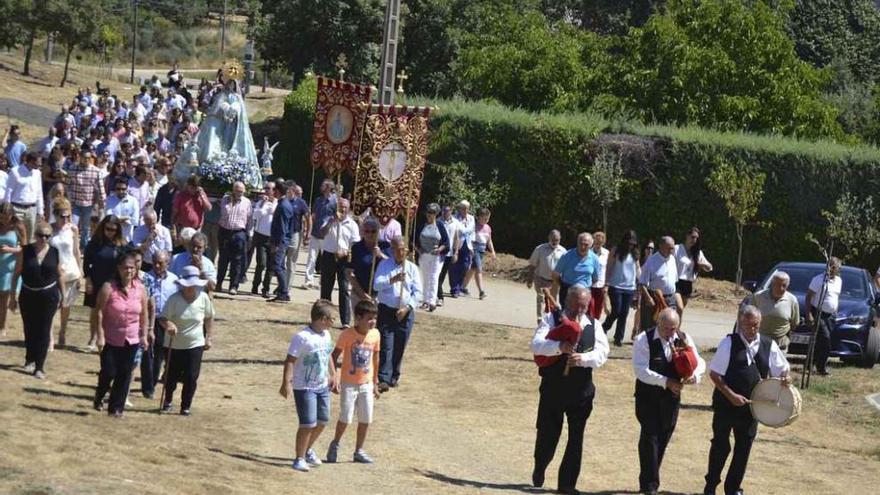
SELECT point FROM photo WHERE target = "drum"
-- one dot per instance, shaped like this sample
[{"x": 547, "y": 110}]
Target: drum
[{"x": 775, "y": 405}]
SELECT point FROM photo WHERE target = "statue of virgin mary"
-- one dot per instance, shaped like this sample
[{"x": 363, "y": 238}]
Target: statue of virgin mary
[{"x": 225, "y": 135}]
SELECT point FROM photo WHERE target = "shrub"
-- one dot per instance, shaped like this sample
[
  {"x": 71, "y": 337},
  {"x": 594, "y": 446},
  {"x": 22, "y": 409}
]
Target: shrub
[{"x": 545, "y": 160}]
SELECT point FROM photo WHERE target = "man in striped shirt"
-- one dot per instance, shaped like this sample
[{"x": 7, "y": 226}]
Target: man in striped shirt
[
  {"x": 235, "y": 216},
  {"x": 86, "y": 191}
]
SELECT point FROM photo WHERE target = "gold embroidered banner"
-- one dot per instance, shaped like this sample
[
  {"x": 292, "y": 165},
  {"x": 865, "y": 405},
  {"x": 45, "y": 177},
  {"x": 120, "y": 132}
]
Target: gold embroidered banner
[
  {"x": 392, "y": 163},
  {"x": 339, "y": 120}
]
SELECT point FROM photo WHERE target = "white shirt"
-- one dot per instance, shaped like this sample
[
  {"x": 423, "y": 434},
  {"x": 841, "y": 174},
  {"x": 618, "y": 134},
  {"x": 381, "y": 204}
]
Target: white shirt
[
  {"x": 685, "y": 264},
  {"x": 594, "y": 358},
  {"x": 641, "y": 359},
  {"x": 659, "y": 273},
  {"x": 141, "y": 192},
  {"x": 603, "y": 263},
  {"x": 453, "y": 227},
  {"x": 832, "y": 294},
  {"x": 262, "y": 217},
  {"x": 25, "y": 186},
  {"x": 162, "y": 242},
  {"x": 341, "y": 236},
  {"x": 4, "y": 177},
  {"x": 390, "y": 294},
  {"x": 128, "y": 210},
  {"x": 778, "y": 363},
  {"x": 467, "y": 225},
  {"x": 544, "y": 259}
]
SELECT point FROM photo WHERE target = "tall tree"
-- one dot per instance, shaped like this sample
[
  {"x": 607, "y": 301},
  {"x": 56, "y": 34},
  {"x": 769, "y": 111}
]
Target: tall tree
[
  {"x": 310, "y": 34},
  {"x": 76, "y": 24},
  {"x": 21, "y": 20},
  {"x": 724, "y": 64}
]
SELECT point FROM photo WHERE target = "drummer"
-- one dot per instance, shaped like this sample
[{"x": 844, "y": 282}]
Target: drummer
[{"x": 743, "y": 359}]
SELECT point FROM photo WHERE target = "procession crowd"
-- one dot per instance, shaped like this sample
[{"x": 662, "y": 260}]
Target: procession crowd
[{"x": 96, "y": 209}]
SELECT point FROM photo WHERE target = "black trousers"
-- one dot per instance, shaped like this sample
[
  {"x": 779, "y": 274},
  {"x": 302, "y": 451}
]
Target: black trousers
[
  {"x": 233, "y": 244},
  {"x": 184, "y": 365},
  {"x": 823, "y": 339},
  {"x": 151, "y": 363},
  {"x": 263, "y": 272},
  {"x": 658, "y": 417},
  {"x": 744, "y": 427},
  {"x": 552, "y": 407},
  {"x": 395, "y": 335},
  {"x": 444, "y": 270},
  {"x": 38, "y": 309},
  {"x": 333, "y": 270},
  {"x": 117, "y": 364}
]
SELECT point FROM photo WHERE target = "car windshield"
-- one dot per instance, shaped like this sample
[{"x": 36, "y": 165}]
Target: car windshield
[{"x": 853, "y": 281}]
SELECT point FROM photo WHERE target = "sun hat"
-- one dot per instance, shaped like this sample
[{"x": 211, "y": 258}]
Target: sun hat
[{"x": 190, "y": 277}]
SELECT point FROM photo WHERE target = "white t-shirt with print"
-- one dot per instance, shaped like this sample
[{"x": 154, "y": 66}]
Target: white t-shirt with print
[{"x": 312, "y": 352}]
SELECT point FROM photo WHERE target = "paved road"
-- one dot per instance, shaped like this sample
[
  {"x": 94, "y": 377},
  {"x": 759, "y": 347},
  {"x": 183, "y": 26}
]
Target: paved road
[{"x": 513, "y": 305}]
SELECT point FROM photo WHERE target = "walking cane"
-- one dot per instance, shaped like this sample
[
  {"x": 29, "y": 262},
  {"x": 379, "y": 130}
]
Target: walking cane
[
  {"x": 167, "y": 372},
  {"x": 372, "y": 273},
  {"x": 811, "y": 348}
]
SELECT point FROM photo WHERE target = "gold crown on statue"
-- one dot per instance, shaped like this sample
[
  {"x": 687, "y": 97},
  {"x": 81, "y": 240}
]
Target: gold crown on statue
[{"x": 232, "y": 69}]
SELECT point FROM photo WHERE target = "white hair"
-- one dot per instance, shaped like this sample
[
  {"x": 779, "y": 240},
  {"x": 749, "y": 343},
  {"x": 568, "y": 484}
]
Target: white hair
[
  {"x": 781, "y": 276},
  {"x": 750, "y": 311}
]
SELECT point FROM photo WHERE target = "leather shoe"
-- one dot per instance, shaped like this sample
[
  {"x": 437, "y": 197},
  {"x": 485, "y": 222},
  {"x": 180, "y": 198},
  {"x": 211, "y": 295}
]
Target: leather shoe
[{"x": 537, "y": 478}]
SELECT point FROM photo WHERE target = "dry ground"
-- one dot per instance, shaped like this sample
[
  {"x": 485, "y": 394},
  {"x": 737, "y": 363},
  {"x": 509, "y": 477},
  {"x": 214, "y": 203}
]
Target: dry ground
[{"x": 462, "y": 421}]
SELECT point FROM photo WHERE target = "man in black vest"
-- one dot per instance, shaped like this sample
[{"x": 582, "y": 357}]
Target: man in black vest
[
  {"x": 566, "y": 394},
  {"x": 742, "y": 360},
  {"x": 658, "y": 392}
]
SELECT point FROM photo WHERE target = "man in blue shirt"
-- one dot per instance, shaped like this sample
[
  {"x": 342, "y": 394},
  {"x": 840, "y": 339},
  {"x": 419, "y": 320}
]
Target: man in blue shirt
[
  {"x": 279, "y": 239},
  {"x": 578, "y": 266},
  {"x": 14, "y": 147},
  {"x": 300, "y": 228},
  {"x": 323, "y": 211},
  {"x": 160, "y": 285},
  {"x": 398, "y": 285}
]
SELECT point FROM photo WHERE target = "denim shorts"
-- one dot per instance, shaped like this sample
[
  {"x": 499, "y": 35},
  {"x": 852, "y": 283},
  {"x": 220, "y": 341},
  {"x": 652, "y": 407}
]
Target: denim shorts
[
  {"x": 479, "y": 252},
  {"x": 312, "y": 406}
]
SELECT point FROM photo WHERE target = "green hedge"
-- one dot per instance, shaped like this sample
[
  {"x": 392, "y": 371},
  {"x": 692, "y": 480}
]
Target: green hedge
[{"x": 545, "y": 158}]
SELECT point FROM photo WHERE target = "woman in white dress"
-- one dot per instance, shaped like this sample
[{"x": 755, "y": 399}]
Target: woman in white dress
[{"x": 65, "y": 238}]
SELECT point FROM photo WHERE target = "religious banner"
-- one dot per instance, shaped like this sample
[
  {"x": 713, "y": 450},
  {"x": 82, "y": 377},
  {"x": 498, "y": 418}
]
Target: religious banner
[
  {"x": 392, "y": 163},
  {"x": 339, "y": 119}
]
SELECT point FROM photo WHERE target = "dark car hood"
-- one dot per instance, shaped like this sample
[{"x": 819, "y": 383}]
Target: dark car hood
[{"x": 846, "y": 306}]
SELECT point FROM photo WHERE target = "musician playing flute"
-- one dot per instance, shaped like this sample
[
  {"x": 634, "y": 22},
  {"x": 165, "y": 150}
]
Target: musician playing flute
[
  {"x": 566, "y": 395},
  {"x": 743, "y": 359},
  {"x": 340, "y": 234},
  {"x": 657, "y": 283},
  {"x": 399, "y": 291},
  {"x": 658, "y": 392}
]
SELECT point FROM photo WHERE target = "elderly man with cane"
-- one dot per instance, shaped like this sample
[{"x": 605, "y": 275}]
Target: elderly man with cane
[{"x": 567, "y": 389}]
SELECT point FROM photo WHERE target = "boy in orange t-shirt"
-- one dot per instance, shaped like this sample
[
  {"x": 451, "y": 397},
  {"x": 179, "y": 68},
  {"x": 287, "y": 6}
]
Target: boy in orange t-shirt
[{"x": 359, "y": 377}]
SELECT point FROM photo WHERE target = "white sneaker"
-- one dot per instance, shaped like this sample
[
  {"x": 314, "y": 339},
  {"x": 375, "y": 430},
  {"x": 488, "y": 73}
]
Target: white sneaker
[
  {"x": 300, "y": 464},
  {"x": 128, "y": 403},
  {"x": 312, "y": 457}
]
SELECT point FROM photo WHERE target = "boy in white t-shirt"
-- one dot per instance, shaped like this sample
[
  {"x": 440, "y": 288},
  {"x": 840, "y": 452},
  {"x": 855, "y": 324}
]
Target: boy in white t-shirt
[{"x": 309, "y": 373}]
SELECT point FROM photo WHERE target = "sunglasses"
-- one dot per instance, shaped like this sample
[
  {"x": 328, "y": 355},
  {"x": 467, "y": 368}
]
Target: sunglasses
[
  {"x": 111, "y": 228},
  {"x": 64, "y": 216},
  {"x": 43, "y": 236}
]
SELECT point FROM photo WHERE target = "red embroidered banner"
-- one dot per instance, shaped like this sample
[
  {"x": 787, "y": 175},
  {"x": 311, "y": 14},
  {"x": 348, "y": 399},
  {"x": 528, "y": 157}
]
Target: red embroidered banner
[
  {"x": 392, "y": 162},
  {"x": 339, "y": 120}
]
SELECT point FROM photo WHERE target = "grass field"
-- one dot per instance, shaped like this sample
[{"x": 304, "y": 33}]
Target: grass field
[{"x": 462, "y": 421}]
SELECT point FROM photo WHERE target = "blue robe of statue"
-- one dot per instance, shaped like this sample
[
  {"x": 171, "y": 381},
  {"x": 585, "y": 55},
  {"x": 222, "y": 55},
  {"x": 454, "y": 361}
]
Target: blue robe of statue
[{"x": 225, "y": 128}]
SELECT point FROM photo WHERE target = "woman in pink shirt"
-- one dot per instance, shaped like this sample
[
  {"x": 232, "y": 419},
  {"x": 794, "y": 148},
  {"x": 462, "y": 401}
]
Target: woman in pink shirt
[{"x": 122, "y": 328}]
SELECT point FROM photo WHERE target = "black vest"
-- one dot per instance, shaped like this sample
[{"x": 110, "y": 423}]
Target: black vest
[
  {"x": 741, "y": 376},
  {"x": 579, "y": 381},
  {"x": 658, "y": 364}
]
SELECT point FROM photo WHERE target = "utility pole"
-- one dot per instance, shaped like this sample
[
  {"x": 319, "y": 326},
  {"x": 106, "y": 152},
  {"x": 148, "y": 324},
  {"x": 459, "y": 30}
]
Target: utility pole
[
  {"x": 134, "y": 37},
  {"x": 223, "y": 30},
  {"x": 388, "y": 69}
]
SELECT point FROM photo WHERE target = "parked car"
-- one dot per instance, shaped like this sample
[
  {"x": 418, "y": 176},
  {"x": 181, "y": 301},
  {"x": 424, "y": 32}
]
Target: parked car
[{"x": 855, "y": 336}]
